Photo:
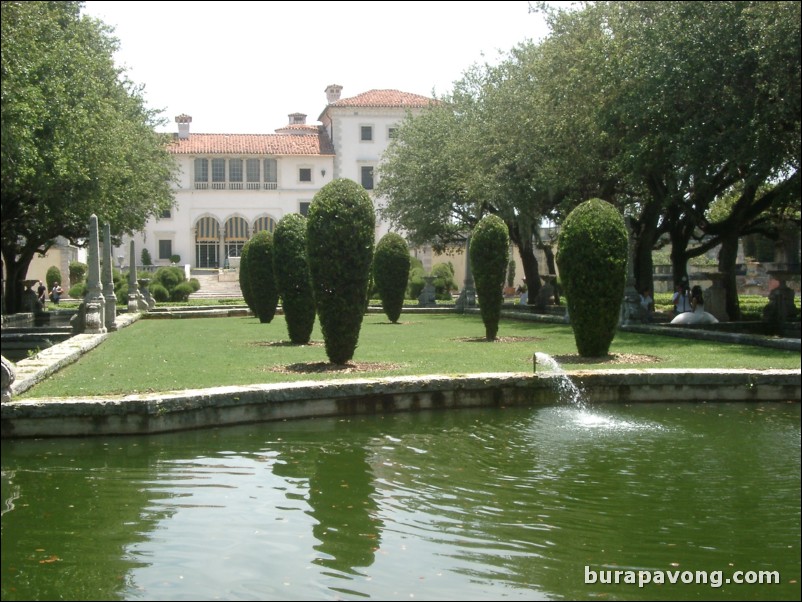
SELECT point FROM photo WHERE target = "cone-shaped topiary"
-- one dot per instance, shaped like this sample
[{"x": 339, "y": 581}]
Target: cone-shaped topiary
[
  {"x": 245, "y": 278},
  {"x": 592, "y": 259},
  {"x": 340, "y": 233},
  {"x": 390, "y": 272},
  {"x": 489, "y": 253},
  {"x": 291, "y": 269},
  {"x": 260, "y": 275}
]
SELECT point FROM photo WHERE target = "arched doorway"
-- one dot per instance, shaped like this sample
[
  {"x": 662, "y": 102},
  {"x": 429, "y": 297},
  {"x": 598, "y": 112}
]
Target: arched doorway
[
  {"x": 236, "y": 235},
  {"x": 264, "y": 223},
  {"x": 207, "y": 243}
]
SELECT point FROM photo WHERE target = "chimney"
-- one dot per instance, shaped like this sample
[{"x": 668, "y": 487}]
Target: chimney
[
  {"x": 183, "y": 121},
  {"x": 333, "y": 93},
  {"x": 297, "y": 118}
]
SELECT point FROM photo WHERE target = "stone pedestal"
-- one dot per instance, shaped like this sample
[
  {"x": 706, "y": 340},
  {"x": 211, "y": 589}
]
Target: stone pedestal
[
  {"x": 146, "y": 302},
  {"x": 428, "y": 297}
]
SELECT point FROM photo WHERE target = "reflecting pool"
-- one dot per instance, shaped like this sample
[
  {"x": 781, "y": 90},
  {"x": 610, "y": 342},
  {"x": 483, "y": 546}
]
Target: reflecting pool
[{"x": 490, "y": 504}]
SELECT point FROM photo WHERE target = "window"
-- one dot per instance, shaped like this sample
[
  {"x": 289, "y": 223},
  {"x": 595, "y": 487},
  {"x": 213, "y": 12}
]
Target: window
[
  {"x": 367, "y": 176},
  {"x": 235, "y": 174},
  {"x": 252, "y": 173},
  {"x": 391, "y": 133},
  {"x": 218, "y": 173},
  {"x": 303, "y": 208},
  {"x": 271, "y": 174},
  {"x": 165, "y": 249},
  {"x": 166, "y": 214},
  {"x": 201, "y": 173},
  {"x": 366, "y": 134},
  {"x": 305, "y": 174}
]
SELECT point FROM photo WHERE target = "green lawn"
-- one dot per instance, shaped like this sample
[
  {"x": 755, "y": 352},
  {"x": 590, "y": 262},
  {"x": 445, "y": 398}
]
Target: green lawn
[{"x": 163, "y": 355}]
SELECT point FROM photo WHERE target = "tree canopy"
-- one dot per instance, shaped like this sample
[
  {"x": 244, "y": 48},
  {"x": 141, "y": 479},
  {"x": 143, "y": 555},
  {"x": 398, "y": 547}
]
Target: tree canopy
[
  {"x": 660, "y": 108},
  {"x": 77, "y": 137}
]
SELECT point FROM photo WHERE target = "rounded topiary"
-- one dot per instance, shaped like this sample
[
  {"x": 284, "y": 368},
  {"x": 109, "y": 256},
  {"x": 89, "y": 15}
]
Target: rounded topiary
[
  {"x": 244, "y": 277},
  {"x": 443, "y": 280},
  {"x": 390, "y": 273},
  {"x": 181, "y": 292},
  {"x": 260, "y": 275},
  {"x": 340, "y": 234},
  {"x": 291, "y": 270},
  {"x": 415, "y": 282},
  {"x": 489, "y": 252},
  {"x": 145, "y": 255},
  {"x": 52, "y": 276},
  {"x": 592, "y": 259},
  {"x": 169, "y": 277},
  {"x": 158, "y": 292},
  {"x": 195, "y": 284},
  {"x": 78, "y": 291},
  {"x": 78, "y": 271}
]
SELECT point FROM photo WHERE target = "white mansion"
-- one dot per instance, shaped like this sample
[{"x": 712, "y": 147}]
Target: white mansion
[{"x": 234, "y": 185}]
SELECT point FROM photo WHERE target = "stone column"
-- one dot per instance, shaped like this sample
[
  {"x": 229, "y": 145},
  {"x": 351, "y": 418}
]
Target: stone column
[
  {"x": 93, "y": 300},
  {"x": 133, "y": 286},
  {"x": 108, "y": 281}
]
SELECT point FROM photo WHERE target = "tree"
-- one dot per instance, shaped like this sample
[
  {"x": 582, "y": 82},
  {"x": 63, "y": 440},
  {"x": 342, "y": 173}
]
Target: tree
[
  {"x": 692, "y": 99},
  {"x": 77, "y": 137},
  {"x": 340, "y": 234},
  {"x": 291, "y": 270},
  {"x": 245, "y": 277},
  {"x": 264, "y": 290},
  {"x": 390, "y": 273},
  {"x": 592, "y": 257},
  {"x": 490, "y": 245}
]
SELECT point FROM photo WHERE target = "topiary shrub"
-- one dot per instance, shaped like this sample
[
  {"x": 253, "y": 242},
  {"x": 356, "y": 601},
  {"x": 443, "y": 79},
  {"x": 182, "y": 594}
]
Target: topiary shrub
[
  {"x": 592, "y": 259},
  {"x": 169, "y": 277},
  {"x": 158, "y": 292},
  {"x": 390, "y": 273},
  {"x": 260, "y": 273},
  {"x": 489, "y": 252},
  {"x": 78, "y": 291},
  {"x": 181, "y": 292},
  {"x": 443, "y": 280},
  {"x": 52, "y": 276},
  {"x": 77, "y": 272},
  {"x": 340, "y": 234},
  {"x": 195, "y": 284},
  {"x": 291, "y": 270},
  {"x": 146, "y": 260},
  {"x": 415, "y": 283},
  {"x": 244, "y": 278}
]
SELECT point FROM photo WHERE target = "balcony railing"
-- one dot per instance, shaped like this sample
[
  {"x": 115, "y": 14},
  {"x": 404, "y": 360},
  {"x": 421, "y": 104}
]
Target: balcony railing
[{"x": 236, "y": 185}]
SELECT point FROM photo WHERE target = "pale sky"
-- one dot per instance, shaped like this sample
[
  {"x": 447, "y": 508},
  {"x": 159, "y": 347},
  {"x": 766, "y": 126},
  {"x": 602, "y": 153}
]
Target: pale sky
[{"x": 243, "y": 67}]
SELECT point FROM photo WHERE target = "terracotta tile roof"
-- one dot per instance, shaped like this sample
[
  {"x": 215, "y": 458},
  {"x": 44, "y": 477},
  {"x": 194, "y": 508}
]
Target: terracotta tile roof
[
  {"x": 385, "y": 98},
  {"x": 254, "y": 144}
]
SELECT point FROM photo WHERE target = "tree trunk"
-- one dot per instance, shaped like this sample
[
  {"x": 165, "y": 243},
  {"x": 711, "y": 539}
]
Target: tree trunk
[
  {"x": 531, "y": 271},
  {"x": 727, "y": 262},
  {"x": 16, "y": 269},
  {"x": 552, "y": 269},
  {"x": 645, "y": 237}
]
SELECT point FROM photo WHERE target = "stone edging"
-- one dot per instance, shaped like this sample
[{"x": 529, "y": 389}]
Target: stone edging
[{"x": 202, "y": 408}]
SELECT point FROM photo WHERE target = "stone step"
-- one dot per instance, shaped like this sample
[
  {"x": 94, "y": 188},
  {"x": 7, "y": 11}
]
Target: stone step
[{"x": 213, "y": 288}]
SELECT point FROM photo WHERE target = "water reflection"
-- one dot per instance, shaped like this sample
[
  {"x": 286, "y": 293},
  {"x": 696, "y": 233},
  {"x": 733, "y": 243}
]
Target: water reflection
[{"x": 483, "y": 504}]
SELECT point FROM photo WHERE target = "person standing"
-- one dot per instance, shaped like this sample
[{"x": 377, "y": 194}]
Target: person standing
[
  {"x": 41, "y": 294},
  {"x": 56, "y": 292},
  {"x": 682, "y": 299}
]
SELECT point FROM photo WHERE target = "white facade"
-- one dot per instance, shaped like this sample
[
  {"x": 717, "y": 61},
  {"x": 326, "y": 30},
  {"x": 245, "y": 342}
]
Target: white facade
[{"x": 230, "y": 186}]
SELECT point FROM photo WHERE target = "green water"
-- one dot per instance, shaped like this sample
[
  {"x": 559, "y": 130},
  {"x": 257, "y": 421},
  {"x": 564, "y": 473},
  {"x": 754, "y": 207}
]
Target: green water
[{"x": 461, "y": 505}]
